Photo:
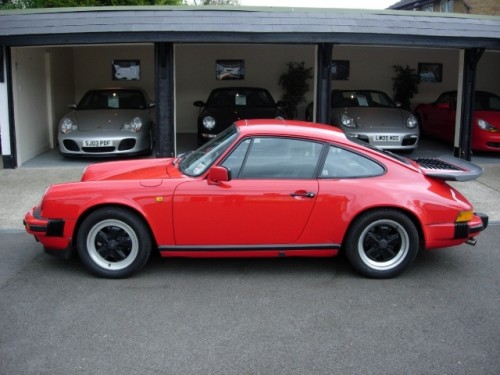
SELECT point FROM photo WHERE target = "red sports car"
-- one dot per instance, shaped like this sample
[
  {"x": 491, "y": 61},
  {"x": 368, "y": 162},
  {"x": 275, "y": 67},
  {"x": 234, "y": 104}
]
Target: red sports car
[
  {"x": 261, "y": 188},
  {"x": 438, "y": 119}
]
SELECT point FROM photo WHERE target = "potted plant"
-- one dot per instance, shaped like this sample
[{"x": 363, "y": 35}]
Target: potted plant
[
  {"x": 294, "y": 82},
  {"x": 405, "y": 85}
]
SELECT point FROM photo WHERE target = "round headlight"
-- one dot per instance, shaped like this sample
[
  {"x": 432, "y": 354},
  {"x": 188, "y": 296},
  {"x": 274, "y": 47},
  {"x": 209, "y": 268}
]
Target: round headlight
[
  {"x": 67, "y": 126},
  {"x": 347, "y": 121},
  {"x": 485, "y": 125},
  {"x": 133, "y": 125},
  {"x": 411, "y": 122},
  {"x": 208, "y": 122}
]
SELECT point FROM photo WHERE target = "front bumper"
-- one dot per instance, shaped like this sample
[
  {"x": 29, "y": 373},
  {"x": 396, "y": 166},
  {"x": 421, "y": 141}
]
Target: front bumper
[{"x": 49, "y": 232}]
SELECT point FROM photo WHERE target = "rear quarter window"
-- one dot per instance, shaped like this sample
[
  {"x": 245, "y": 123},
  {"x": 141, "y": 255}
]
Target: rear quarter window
[{"x": 342, "y": 163}]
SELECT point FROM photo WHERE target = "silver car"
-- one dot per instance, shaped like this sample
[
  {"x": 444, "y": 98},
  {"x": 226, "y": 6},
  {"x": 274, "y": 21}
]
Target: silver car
[
  {"x": 371, "y": 116},
  {"x": 108, "y": 122}
]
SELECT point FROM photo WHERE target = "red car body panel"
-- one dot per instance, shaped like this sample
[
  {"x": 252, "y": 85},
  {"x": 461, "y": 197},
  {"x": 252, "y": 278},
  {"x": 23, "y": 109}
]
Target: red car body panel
[
  {"x": 438, "y": 120},
  {"x": 190, "y": 216}
]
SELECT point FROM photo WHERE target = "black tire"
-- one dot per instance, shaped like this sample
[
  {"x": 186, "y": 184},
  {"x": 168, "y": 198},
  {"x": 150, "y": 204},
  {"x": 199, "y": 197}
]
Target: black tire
[
  {"x": 381, "y": 244},
  {"x": 114, "y": 242}
]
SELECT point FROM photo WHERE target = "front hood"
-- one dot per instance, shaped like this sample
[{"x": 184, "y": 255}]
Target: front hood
[
  {"x": 142, "y": 169},
  {"x": 371, "y": 117},
  {"x": 104, "y": 119}
]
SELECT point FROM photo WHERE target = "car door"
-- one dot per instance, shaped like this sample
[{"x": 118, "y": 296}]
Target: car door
[{"x": 268, "y": 200}]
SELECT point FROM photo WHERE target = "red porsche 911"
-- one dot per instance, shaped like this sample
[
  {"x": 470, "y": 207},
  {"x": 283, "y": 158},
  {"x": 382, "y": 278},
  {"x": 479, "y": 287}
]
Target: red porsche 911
[{"x": 261, "y": 188}]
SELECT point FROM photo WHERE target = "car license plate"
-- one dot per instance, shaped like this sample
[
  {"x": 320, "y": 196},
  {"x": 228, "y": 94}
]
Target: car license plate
[
  {"x": 97, "y": 143},
  {"x": 387, "y": 138}
]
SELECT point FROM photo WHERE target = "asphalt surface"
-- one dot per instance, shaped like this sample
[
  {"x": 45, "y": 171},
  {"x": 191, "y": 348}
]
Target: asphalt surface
[{"x": 249, "y": 317}]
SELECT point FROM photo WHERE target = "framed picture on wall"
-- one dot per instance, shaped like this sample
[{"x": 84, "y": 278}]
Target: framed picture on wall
[
  {"x": 126, "y": 70},
  {"x": 430, "y": 72},
  {"x": 229, "y": 69},
  {"x": 340, "y": 70}
]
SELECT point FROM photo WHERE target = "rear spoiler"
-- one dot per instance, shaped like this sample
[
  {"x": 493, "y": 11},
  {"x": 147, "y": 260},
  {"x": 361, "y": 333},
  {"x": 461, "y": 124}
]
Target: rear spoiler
[{"x": 449, "y": 168}]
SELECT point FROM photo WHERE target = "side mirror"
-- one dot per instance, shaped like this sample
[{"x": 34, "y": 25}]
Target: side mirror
[
  {"x": 398, "y": 104},
  {"x": 199, "y": 103},
  {"x": 152, "y": 105},
  {"x": 280, "y": 103},
  {"x": 72, "y": 106},
  {"x": 218, "y": 174}
]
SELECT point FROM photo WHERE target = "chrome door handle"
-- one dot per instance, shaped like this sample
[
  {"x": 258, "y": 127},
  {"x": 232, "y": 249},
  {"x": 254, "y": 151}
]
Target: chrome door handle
[{"x": 306, "y": 194}]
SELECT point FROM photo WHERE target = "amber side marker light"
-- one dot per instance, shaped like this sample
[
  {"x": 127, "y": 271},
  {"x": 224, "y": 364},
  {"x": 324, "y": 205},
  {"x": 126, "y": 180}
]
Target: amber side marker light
[{"x": 464, "y": 216}]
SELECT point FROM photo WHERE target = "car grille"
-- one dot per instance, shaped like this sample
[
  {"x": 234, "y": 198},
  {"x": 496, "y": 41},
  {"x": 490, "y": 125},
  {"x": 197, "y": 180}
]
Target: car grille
[
  {"x": 98, "y": 149},
  {"x": 435, "y": 164}
]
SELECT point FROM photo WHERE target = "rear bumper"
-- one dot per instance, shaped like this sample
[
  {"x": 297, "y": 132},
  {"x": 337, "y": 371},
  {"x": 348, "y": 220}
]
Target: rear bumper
[
  {"x": 472, "y": 228},
  {"x": 454, "y": 234}
]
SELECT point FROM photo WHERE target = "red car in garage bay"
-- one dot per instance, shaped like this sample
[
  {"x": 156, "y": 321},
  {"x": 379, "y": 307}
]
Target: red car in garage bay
[
  {"x": 261, "y": 188},
  {"x": 438, "y": 119}
]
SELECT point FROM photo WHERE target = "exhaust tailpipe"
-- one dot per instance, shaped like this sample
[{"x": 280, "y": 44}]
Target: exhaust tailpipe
[{"x": 471, "y": 241}]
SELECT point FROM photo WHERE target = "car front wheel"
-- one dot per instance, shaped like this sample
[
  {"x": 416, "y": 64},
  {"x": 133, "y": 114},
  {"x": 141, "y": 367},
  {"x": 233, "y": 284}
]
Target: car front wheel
[
  {"x": 381, "y": 244},
  {"x": 114, "y": 242}
]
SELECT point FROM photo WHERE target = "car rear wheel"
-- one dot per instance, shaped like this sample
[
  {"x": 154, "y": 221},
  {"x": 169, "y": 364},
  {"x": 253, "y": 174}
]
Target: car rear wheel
[
  {"x": 114, "y": 242},
  {"x": 381, "y": 244}
]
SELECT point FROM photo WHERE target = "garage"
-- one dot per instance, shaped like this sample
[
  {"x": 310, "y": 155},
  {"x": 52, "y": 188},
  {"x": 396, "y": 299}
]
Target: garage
[{"x": 56, "y": 56}]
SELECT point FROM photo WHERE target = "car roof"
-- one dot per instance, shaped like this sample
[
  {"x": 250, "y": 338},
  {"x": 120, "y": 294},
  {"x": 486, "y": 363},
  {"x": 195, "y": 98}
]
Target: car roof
[{"x": 291, "y": 128}]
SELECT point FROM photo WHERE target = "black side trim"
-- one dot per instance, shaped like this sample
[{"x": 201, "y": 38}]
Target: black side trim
[{"x": 230, "y": 248}]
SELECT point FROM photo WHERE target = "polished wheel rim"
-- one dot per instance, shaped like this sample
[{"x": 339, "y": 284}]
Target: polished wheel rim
[
  {"x": 112, "y": 244},
  {"x": 383, "y": 245}
]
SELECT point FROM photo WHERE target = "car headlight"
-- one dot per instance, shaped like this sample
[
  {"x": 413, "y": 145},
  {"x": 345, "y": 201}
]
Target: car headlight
[
  {"x": 485, "y": 125},
  {"x": 67, "y": 126},
  {"x": 208, "y": 122},
  {"x": 348, "y": 121},
  {"x": 133, "y": 125},
  {"x": 411, "y": 122}
]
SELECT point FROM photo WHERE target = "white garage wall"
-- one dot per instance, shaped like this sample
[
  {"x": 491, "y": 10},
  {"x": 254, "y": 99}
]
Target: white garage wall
[
  {"x": 62, "y": 86},
  {"x": 195, "y": 73},
  {"x": 30, "y": 102},
  {"x": 92, "y": 67},
  {"x": 488, "y": 72}
]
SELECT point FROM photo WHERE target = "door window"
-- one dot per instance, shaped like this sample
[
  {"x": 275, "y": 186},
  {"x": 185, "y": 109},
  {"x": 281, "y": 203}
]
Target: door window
[{"x": 274, "y": 158}]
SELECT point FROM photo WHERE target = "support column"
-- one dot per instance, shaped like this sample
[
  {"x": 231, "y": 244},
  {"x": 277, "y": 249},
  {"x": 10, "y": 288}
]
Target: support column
[
  {"x": 164, "y": 100},
  {"x": 323, "y": 83},
  {"x": 9, "y": 156},
  {"x": 470, "y": 60}
]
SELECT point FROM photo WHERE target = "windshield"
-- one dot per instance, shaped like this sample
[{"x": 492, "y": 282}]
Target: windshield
[
  {"x": 381, "y": 151},
  {"x": 485, "y": 101},
  {"x": 197, "y": 162},
  {"x": 113, "y": 99},
  {"x": 360, "y": 98},
  {"x": 240, "y": 97}
]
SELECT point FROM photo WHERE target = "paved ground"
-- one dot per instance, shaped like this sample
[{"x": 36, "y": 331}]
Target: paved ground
[{"x": 249, "y": 316}]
